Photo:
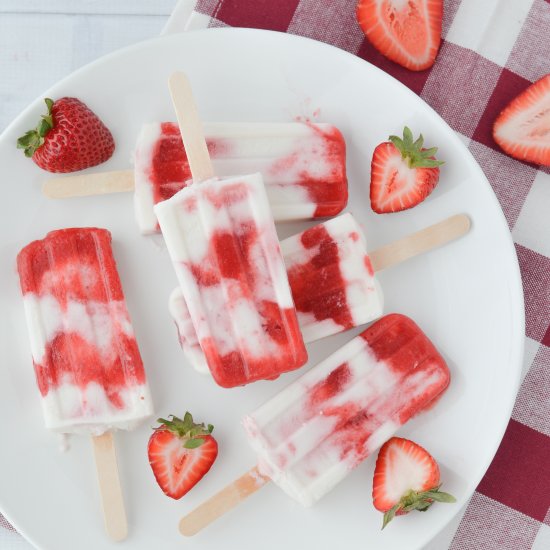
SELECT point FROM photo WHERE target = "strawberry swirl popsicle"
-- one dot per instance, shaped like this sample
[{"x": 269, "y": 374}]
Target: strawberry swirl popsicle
[
  {"x": 314, "y": 432},
  {"x": 87, "y": 363},
  {"x": 331, "y": 280},
  {"x": 303, "y": 166},
  {"x": 224, "y": 247}
]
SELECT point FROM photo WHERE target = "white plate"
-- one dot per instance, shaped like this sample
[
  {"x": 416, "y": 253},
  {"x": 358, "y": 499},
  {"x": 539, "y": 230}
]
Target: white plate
[{"x": 466, "y": 296}]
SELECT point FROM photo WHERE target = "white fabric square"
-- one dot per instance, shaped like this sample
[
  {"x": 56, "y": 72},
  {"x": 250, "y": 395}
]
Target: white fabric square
[
  {"x": 531, "y": 229},
  {"x": 181, "y": 13},
  {"x": 542, "y": 540},
  {"x": 531, "y": 349},
  {"x": 197, "y": 21},
  {"x": 490, "y": 27}
]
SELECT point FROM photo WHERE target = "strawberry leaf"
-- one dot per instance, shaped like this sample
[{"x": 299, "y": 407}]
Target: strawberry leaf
[
  {"x": 439, "y": 496},
  {"x": 412, "y": 151},
  {"x": 187, "y": 429},
  {"x": 408, "y": 138},
  {"x": 193, "y": 443},
  {"x": 390, "y": 514}
]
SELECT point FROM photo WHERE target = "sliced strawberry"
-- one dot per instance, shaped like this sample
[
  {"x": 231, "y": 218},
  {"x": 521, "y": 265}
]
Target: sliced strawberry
[
  {"x": 403, "y": 174},
  {"x": 69, "y": 137},
  {"x": 406, "y": 31},
  {"x": 522, "y": 129},
  {"x": 181, "y": 453},
  {"x": 406, "y": 478}
]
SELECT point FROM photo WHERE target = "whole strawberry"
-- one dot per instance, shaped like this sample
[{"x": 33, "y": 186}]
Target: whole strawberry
[
  {"x": 181, "y": 453},
  {"x": 406, "y": 478},
  {"x": 403, "y": 173},
  {"x": 69, "y": 138}
]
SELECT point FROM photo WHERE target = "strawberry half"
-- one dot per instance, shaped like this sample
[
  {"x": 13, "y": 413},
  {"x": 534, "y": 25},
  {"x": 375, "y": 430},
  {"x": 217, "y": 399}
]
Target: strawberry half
[
  {"x": 403, "y": 174},
  {"x": 522, "y": 129},
  {"x": 406, "y": 478},
  {"x": 406, "y": 31},
  {"x": 69, "y": 138},
  {"x": 181, "y": 453}
]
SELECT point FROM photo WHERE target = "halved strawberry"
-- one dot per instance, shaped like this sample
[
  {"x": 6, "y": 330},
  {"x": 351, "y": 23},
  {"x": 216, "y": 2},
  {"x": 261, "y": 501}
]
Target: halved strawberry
[
  {"x": 406, "y": 31},
  {"x": 181, "y": 453},
  {"x": 522, "y": 129},
  {"x": 406, "y": 478},
  {"x": 403, "y": 174}
]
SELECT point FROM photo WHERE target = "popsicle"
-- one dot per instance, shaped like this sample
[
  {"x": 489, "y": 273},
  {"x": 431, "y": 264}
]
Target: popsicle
[
  {"x": 303, "y": 165},
  {"x": 331, "y": 278},
  {"x": 317, "y": 430},
  {"x": 221, "y": 238},
  {"x": 87, "y": 363}
]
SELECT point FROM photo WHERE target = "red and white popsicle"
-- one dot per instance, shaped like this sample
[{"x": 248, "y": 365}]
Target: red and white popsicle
[
  {"x": 303, "y": 165},
  {"x": 86, "y": 360},
  {"x": 312, "y": 434}
]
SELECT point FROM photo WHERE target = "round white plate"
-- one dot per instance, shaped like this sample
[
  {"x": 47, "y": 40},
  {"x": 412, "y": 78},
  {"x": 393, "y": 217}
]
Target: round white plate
[{"x": 466, "y": 296}]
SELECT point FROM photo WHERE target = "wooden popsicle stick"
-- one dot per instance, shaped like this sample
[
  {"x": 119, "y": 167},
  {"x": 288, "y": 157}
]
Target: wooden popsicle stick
[
  {"x": 89, "y": 184},
  {"x": 422, "y": 241},
  {"x": 190, "y": 127},
  {"x": 114, "y": 513},
  {"x": 222, "y": 502}
]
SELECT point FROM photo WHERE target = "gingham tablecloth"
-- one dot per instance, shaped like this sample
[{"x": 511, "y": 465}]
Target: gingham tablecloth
[{"x": 491, "y": 50}]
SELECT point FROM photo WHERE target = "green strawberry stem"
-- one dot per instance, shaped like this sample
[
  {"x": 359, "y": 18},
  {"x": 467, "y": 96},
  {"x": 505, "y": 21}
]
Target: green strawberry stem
[
  {"x": 33, "y": 139},
  {"x": 187, "y": 429},
  {"x": 412, "y": 151},
  {"x": 420, "y": 501}
]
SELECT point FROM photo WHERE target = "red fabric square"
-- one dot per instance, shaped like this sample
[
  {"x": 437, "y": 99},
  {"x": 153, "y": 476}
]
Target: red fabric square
[
  {"x": 519, "y": 475},
  {"x": 414, "y": 80},
  {"x": 546, "y": 337},
  {"x": 508, "y": 86},
  {"x": 460, "y": 85},
  {"x": 258, "y": 14},
  {"x": 536, "y": 289}
]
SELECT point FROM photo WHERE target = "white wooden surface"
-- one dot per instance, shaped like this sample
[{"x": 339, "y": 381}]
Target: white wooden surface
[{"x": 42, "y": 41}]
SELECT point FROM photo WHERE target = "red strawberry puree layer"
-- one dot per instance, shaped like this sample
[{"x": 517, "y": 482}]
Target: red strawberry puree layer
[
  {"x": 328, "y": 193},
  {"x": 318, "y": 286},
  {"x": 170, "y": 168},
  {"x": 74, "y": 268}
]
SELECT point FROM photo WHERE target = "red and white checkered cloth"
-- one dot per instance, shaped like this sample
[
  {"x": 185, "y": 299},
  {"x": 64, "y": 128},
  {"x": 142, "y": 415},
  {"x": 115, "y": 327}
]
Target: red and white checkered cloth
[{"x": 491, "y": 51}]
